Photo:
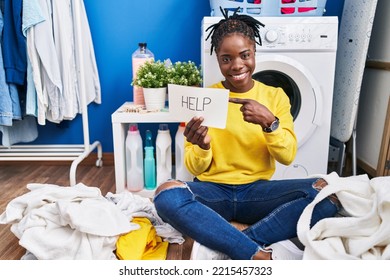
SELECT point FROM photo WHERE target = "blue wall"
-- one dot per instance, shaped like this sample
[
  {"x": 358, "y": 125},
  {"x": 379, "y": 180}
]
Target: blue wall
[{"x": 172, "y": 30}]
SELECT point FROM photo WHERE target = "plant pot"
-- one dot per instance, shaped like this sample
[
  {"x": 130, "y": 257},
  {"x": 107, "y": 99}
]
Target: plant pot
[{"x": 155, "y": 98}]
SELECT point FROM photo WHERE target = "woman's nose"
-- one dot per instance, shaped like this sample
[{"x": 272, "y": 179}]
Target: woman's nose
[{"x": 237, "y": 64}]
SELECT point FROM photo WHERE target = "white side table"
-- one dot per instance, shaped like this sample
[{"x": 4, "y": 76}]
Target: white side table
[{"x": 120, "y": 120}]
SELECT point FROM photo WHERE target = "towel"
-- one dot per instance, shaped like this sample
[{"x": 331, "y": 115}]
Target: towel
[
  {"x": 62, "y": 223},
  {"x": 361, "y": 231}
]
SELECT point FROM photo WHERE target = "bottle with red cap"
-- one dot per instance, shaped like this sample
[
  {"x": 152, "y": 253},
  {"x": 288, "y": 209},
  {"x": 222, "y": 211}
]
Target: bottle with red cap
[{"x": 134, "y": 159}]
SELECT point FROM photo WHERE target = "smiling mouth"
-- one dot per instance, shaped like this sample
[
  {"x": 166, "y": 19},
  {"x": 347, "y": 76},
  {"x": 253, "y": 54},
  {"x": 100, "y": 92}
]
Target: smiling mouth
[{"x": 239, "y": 76}]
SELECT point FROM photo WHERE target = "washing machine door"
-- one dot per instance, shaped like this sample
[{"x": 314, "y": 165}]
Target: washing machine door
[{"x": 300, "y": 86}]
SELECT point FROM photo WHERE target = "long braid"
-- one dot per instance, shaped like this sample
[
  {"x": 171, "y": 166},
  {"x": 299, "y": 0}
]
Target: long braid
[{"x": 236, "y": 23}]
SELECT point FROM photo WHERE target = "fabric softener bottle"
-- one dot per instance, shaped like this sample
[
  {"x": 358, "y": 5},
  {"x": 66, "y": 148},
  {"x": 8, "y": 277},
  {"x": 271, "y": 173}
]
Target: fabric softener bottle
[
  {"x": 134, "y": 159},
  {"x": 181, "y": 170},
  {"x": 163, "y": 154},
  {"x": 149, "y": 163}
]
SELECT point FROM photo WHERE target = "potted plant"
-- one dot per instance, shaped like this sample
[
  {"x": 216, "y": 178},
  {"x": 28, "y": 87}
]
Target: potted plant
[
  {"x": 185, "y": 73},
  {"x": 152, "y": 76}
]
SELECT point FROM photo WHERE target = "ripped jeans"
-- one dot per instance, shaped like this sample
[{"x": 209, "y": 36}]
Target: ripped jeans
[{"x": 203, "y": 210}]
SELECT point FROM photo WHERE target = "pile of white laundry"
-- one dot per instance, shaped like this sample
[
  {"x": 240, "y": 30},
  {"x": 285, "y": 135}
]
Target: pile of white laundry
[
  {"x": 362, "y": 231},
  {"x": 54, "y": 222}
]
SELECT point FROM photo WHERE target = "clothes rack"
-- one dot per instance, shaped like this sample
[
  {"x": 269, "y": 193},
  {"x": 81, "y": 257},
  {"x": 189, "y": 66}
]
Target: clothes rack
[{"x": 75, "y": 153}]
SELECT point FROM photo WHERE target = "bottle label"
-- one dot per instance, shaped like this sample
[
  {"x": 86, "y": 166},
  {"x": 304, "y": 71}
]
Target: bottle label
[
  {"x": 138, "y": 93},
  {"x": 138, "y": 96},
  {"x": 137, "y": 62}
]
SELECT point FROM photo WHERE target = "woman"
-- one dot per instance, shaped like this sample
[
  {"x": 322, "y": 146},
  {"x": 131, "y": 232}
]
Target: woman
[{"x": 233, "y": 166}]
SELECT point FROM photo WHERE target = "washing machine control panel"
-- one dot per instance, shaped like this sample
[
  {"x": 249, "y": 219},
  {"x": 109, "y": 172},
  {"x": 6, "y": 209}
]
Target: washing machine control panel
[
  {"x": 271, "y": 36},
  {"x": 299, "y": 36},
  {"x": 289, "y": 33}
]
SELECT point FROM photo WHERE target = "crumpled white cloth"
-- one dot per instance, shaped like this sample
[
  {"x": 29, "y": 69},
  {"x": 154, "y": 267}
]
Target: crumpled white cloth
[
  {"x": 54, "y": 222},
  {"x": 133, "y": 205},
  {"x": 362, "y": 231}
]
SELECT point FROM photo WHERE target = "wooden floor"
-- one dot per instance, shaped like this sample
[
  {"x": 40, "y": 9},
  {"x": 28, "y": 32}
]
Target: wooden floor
[{"x": 14, "y": 177}]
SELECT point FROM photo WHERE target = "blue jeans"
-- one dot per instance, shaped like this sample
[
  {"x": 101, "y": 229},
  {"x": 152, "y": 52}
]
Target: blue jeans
[{"x": 203, "y": 210}]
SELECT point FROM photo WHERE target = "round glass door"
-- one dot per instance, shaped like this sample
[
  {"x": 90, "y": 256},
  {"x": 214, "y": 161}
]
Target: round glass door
[
  {"x": 278, "y": 79},
  {"x": 299, "y": 85}
]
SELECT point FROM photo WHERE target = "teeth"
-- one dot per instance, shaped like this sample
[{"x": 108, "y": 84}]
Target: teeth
[{"x": 237, "y": 77}]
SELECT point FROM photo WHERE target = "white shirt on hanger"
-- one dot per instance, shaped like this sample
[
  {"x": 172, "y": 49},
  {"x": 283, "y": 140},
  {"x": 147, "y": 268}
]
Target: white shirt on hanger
[
  {"x": 56, "y": 57},
  {"x": 46, "y": 73}
]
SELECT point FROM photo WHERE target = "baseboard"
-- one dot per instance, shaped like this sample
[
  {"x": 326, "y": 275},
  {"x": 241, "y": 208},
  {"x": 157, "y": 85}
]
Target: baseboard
[
  {"x": 108, "y": 160},
  {"x": 371, "y": 171}
]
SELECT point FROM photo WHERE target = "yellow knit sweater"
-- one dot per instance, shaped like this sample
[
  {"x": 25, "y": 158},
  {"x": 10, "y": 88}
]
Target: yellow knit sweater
[{"x": 242, "y": 153}]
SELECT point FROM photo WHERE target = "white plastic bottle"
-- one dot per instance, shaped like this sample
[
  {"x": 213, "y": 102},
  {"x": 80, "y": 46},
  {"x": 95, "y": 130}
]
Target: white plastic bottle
[
  {"x": 134, "y": 159},
  {"x": 163, "y": 154},
  {"x": 181, "y": 170},
  {"x": 139, "y": 57}
]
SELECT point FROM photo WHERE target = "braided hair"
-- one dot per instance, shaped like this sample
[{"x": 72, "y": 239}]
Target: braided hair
[{"x": 236, "y": 23}]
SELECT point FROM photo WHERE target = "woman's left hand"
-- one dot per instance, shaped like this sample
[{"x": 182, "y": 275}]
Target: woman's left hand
[{"x": 254, "y": 112}]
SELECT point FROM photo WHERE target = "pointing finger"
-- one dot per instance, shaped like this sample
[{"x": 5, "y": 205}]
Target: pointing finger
[{"x": 242, "y": 101}]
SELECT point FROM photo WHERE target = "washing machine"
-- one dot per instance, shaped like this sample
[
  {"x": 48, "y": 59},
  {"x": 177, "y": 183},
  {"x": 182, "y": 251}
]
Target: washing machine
[{"x": 299, "y": 55}]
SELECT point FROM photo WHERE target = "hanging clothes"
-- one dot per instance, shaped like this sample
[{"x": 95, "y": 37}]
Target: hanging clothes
[
  {"x": 22, "y": 131},
  {"x": 56, "y": 69},
  {"x": 46, "y": 73},
  {"x": 68, "y": 27},
  {"x": 14, "y": 43},
  {"x": 32, "y": 15},
  {"x": 9, "y": 98},
  {"x": 14, "y": 127},
  {"x": 55, "y": 55},
  {"x": 63, "y": 35},
  {"x": 85, "y": 55}
]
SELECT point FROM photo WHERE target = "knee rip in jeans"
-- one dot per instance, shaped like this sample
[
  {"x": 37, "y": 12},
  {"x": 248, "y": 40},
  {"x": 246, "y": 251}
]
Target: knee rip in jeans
[
  {"x": 171, "y": 184},
  {"x": 319, "y": 184}
]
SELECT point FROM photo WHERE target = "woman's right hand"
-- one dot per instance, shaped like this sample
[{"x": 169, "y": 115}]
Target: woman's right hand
[{"x": 197, "y": 134}]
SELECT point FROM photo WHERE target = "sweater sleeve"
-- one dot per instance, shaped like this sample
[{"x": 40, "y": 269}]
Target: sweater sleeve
[
  {"x": 196, "y": 159},
  {"x": 282, "y": 143}
]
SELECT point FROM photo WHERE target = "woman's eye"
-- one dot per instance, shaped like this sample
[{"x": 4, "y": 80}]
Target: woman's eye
[{"x": 246, "y": 55}]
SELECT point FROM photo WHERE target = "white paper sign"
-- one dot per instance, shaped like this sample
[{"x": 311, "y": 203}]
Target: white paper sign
[{"x": 210, "y": 103}]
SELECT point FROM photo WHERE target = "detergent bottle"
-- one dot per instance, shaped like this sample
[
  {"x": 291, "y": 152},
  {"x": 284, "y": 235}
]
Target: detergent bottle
[
  {"x": 134, "y": 159},
  {"x": 163, "y": 154},
  {"x": 149, "y": 163},
  {"x": 180, "y": 169}
]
